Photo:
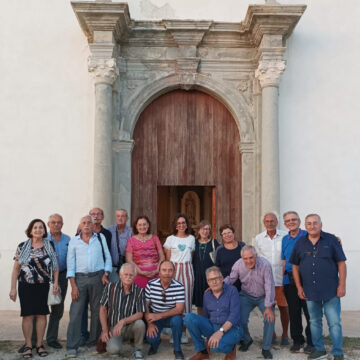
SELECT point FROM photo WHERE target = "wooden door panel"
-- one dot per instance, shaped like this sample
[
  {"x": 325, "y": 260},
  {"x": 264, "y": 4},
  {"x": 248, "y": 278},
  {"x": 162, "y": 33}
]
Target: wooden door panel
[{"x": 188, "y": 139}]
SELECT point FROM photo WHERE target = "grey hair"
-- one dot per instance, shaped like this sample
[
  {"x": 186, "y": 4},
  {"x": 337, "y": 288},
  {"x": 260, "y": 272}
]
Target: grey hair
[
  {"x": 271, "y": 213},
  {"x": 87, "y": 216},
  {"x": 212, "y": 269},
  {"x": 56, "y": 214},
  {"x": 128, "y": 265},
  {"x": 247, "y": 248},
  {"x": 125, "y": 211},
  {"x": 310, "y": 215},
  {"x": 291, "y": 212}
]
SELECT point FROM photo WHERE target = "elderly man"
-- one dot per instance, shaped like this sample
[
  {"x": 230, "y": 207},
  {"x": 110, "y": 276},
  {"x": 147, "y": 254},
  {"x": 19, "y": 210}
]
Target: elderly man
[
  {"x": 61, "y": 242},
  {"x": 88, "y": 268},
  {"x": 220, "y": 322},
  {"x": 257, "y": 290},
  {"x": 165, "y": 303},
  {"x": 268, "y": 245},
  {"x": 319, "y": 271},
  {"x": 121, "y": 312},
  {"x": 120, "y": 234},
  {"x": 98, "y": 216},
  {"x": 292, "y": 222}
]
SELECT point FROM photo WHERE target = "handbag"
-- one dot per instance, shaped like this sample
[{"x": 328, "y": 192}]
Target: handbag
[{"x": 53, "y": 299}]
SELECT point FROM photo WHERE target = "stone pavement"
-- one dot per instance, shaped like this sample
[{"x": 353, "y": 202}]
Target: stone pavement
[{"x": 11, "y": 339}]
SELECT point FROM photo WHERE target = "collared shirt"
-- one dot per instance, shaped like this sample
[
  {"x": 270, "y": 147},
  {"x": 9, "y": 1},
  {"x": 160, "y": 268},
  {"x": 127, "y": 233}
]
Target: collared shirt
[
  {"x": 224, "y": 308},
  {"x": 87, "y": 258},
  {"x": 288, "y": 243},
  {"x": 161, "y": 299},
  {"x": 270, "y": 249},
  {"x": 61, "y": 248},
  {"x": 318, "y": 265},
  {"x": 121, "y": 305},
  {"x": 123, "y": 237},
  {"x": 257, "y": 281}
]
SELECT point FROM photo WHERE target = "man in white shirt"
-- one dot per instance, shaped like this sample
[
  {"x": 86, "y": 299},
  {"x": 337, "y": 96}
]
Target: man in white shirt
[{"x": 268, "y": 245}]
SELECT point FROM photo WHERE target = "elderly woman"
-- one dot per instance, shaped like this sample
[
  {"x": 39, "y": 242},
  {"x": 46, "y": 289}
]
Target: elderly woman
[
  {"x": 179, "y": 248},
  {"x": 144, "y": 250},
  {"x": 229, "y": 252},
  {"x": 204, "y": 257},
  {"x": 35, "y": 261}
]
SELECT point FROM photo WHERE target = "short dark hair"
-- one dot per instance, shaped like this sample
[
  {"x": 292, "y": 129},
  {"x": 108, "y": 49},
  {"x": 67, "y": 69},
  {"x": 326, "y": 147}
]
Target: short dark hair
[
  {"x": 31, "y": 225},
  {"x": 135, "y": 231},
  {"x": 174, "y": 223},
  {"x": 164, "y": 261},
  {"x": 226, "y": 226}
]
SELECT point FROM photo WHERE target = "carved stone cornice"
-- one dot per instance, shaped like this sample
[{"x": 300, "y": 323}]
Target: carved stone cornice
[
  {"x": 269, "y": 72},
  {"x": 102, "y": 16},
  {"x": 104, "y": 71}
]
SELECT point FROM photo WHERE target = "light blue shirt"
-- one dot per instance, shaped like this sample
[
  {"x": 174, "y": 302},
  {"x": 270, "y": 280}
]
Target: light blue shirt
[
  {"x": 87, "y": 258},
  {"x": 123, "y": 237},
  {"x": 61, "y": 248}
]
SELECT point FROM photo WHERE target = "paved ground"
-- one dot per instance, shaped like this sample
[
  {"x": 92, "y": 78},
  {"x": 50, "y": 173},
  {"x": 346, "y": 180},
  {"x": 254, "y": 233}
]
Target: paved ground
[{"x": 11, "y": 339}]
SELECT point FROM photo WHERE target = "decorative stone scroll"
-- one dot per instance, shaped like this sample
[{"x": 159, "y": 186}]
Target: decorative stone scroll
[
  {"x": 269, "y": 72},
  {"x": 103, "y": 71}
]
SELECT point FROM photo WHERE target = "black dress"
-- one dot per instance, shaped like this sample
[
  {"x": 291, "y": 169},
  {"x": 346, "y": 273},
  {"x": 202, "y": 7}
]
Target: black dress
[
  {"x": 202, "y": 261},
  {"x": 225, "y": 259}
]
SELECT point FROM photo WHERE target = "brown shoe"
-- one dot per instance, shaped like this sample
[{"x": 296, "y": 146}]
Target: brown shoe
[
  {"x": 232, "y": 355},
  {"x": 199, "y": 356}
]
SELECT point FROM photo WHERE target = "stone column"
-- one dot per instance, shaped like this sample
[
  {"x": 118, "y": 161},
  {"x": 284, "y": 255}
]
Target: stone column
[
  {"x": 104, "y": 74},
  {"x": 268, "y": 73}
]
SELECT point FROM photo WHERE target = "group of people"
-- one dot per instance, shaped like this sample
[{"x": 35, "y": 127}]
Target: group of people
[{"x": 136, "y": 287}]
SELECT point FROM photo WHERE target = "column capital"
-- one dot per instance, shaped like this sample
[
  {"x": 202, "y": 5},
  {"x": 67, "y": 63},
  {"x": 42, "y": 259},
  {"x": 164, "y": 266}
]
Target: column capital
[
  {"x": 104, "y": 71},
  {"x": 269, "y": 72},
  {"x": 123, "y": 145},
  {"x": 246, "y": 147}
]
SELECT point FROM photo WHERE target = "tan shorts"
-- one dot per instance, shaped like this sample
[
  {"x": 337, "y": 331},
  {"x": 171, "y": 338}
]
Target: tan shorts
[{"x": 280, "y": 296}]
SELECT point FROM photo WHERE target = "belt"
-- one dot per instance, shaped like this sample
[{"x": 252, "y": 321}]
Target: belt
[{"x": 91, "y": 274}]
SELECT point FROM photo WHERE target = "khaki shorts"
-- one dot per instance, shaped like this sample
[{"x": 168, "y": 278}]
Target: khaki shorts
[{"x": 280, "y": 296}]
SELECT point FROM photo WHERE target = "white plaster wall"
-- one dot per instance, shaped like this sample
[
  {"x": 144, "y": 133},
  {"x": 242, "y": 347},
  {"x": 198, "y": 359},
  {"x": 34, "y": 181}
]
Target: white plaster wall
[{"x": 46, "y": 116}]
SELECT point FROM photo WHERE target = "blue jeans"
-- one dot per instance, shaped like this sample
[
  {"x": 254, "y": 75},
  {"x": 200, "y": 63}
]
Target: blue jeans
[
  {"x": 248, "y": 303},
  {"x": 176, "y": 325},
  {"x": 331, "y": 309},
  {"x": 199, "y": 326}
]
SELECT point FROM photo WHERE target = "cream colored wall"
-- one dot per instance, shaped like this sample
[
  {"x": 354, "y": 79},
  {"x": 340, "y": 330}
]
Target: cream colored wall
[{"x": 46, "y": 112}]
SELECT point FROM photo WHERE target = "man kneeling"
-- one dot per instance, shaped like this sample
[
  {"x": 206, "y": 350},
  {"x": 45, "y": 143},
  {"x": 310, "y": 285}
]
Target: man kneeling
[
  {"x": 220, "y": 322},
  {"x": 121, "y": 312}
]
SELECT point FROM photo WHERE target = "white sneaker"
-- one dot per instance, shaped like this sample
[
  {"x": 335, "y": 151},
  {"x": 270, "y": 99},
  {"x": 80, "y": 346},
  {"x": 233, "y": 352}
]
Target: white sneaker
[
  {"x": 138, "y": 355},
  {"x": 184, "y": 338},
  {"x": 171, "y": 340}
]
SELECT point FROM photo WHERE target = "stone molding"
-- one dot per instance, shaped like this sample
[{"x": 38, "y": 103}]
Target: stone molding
[
  {"x": 247, "y": 147},
  {"x": 269, "y": 72},
  {"x": 123, "y": 145},
  {"x": 103, "y": 71}
]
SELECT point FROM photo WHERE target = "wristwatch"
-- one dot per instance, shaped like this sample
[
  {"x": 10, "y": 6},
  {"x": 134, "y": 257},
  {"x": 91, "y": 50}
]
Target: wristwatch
[
  {"x": 222, "y": 330},
  {"x": 107, "y": 273}
]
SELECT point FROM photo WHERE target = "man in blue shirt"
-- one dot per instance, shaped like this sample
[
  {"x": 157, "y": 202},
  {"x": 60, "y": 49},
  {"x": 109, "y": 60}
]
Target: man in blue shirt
[
  {"x": 220, "y": 322},
  {"x": 120, "y": 234},
  {"x": 61, "y": 242},
  {"x": 88, "y": 268},
  {"x": 292, "y": 222},
  {"x": 319, "y": 272}
]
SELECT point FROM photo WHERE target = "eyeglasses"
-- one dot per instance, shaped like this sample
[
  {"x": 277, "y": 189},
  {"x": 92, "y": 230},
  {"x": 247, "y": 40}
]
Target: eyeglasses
[
  {"x": 163, "y": 294},
  {"x": 96, "y": 214},
  {"x": 227, "y": 233},
  {"x": 181, "y": 223},
  {"x": 215, "y": 279},
  {"x": 291, "y": 220}
]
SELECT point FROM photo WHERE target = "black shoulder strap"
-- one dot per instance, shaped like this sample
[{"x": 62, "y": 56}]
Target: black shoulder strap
[
  {"x": 118, "y": 247},
  {"x": 102, "y": 246}
]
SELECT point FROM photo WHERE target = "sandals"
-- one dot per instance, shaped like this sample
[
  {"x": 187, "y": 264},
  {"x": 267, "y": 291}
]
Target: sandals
[
  {"x": 28, "y": 355},
  {"x": 42, "y": 353}
]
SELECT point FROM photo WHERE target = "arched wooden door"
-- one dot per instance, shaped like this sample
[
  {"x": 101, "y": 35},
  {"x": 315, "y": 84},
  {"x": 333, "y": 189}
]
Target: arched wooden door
[{"x": 187, "y": 138}]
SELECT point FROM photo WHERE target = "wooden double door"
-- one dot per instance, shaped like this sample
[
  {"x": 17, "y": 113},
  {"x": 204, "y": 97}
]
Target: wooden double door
[{"x": 186, "y": 140}]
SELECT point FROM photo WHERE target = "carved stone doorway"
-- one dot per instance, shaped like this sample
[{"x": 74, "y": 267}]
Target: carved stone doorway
[{"x": 196, "y": 202}]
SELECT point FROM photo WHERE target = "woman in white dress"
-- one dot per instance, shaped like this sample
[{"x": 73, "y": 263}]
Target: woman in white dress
[{"x": 179, "y": 249}]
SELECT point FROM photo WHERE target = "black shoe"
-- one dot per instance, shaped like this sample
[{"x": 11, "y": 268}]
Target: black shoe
[
  {"x": 245, "y": 346},
  {"x": 317, "y": 355},
  {"x": 179, "y": 355},
  {"x": 21, "y": 349},
  {"x": 308, "y": 349},
  {"x": 152, "y": 351},
  {"x": 266, "y": 354},
  {"x": 54, "y": 344},
  {"x": 296, "y": 348}
]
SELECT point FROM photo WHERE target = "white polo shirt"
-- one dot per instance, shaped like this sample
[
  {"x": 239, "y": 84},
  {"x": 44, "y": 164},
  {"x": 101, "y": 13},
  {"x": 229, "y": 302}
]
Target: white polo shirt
[{"x": 270, "y": 249}]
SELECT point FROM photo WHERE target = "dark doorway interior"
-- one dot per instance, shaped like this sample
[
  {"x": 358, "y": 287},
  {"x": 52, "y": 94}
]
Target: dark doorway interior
[{"x": 197, "y": 202}]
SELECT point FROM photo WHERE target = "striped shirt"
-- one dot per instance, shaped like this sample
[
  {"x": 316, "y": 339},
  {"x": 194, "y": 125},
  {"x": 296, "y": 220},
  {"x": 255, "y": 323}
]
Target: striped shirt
[
  {"x": 161, "y": 299},
  {"x": 121, "y": 305}
]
